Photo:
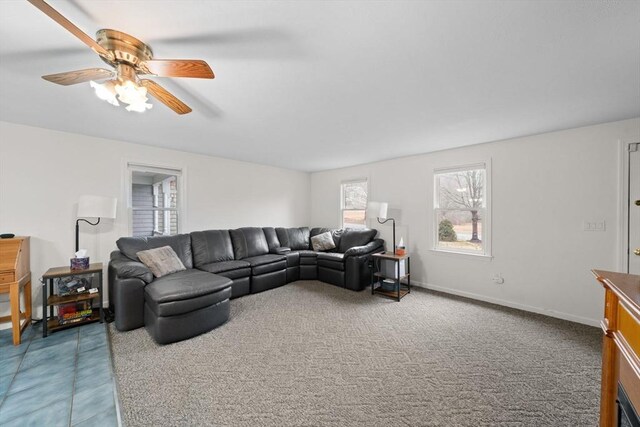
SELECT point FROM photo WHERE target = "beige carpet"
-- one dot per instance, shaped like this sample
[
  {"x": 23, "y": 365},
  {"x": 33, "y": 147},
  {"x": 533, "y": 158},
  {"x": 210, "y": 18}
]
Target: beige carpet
[{"x": 311, "y": 354}]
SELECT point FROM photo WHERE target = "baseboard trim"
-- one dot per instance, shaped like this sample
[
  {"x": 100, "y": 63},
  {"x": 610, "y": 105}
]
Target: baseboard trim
[{"x": 524, "y": 307}]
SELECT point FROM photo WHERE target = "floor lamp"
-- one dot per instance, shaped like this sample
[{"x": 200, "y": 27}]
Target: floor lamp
[
  {"x": 382, "y": 208},
  {"x": 94, "y": 207}
]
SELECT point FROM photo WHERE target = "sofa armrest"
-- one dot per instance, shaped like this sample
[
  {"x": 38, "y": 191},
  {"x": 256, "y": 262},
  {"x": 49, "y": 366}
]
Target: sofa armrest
[
  {"x": 126, "y": 268},
  {"x": 128, "y": 295},
  {"x": 280, "y": 251},
  {"x": 376, "y": 245}
]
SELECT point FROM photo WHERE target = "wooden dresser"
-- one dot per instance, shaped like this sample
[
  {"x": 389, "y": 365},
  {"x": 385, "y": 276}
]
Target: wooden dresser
[
  {"x": 15, "y": 275},
  {"x": 620, "y": 396}
]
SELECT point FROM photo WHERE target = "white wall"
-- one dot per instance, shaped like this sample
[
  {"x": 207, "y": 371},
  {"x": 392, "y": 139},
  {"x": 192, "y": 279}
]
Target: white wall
[
  {"x": 42, "y": 173},
  {"x": 544, "y": 187}
]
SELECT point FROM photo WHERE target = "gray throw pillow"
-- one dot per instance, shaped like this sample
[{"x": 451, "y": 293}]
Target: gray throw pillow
[
  {"x": 161, "y": 261},
  {"x": 323, "y": 242}
]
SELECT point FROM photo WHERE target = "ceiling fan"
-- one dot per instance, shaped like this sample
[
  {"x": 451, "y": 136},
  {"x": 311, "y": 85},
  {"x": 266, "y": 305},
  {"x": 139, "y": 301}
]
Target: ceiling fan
[{"x": 130, "y": 59}]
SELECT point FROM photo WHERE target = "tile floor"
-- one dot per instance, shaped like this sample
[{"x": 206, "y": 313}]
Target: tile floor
[{"x": 65, "y": 379}]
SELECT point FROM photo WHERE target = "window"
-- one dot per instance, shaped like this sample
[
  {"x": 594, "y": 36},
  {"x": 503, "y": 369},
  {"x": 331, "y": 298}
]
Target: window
[
  {"x": 354, "y": 204},
  {"x": 154, "y": 200},
  {"x": 461, "y": 209}
]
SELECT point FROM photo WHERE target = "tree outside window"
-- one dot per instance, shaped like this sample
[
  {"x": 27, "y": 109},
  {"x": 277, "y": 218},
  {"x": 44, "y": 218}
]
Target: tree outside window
[
  {"x": 354, "y": 204},
  {"x": 460, "y": 209}
]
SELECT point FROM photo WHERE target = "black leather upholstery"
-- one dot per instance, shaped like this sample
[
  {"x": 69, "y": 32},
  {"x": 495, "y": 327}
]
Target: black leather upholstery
[
  {"x": 329, "y": 275},
  {"x": 331, "y": 260},
  {"x": 308, "y": 272},
  {"x": 268, "y": 281},
  {"x": 180, "y": 243},
  {"x": 267, "y": 263},
  {"x": 126, "y": 268},
  {"x": 173, "y": 308},
  {"x": 308, "y": 257},
  {"x": 168, "y": 329},
  {"x": 184, "y": 304},
  {"x": 293, "y": 274},
  {"x": 294, "y": 238},
  {"x": 336, "y": 234},
  {"x": 352, "y": 237},
  {"x": 376, "y": 245},
  {"x": 220, "y": 267},
  {"x": 272, "y": 239},
  {"x": 264, "y": 259},
  {"x": 241, "y": 286},
  {"x": 211, "y": 246},
  {"x": 249, "y": 242},
  {"x": 293, "y": 258},
  {"x": 128, "y": 300},
  {"x": 184, "y": 285}
]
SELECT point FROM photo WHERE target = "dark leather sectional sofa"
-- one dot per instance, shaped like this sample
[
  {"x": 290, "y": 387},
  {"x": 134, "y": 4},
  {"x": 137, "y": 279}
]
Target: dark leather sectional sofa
[{"x": 225, "y": 264}]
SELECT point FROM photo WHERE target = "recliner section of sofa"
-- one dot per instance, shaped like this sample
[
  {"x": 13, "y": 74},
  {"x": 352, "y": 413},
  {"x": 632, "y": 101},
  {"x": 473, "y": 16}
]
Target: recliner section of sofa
[
  {"x": 267, "y": 270},
  {"x": 226, "y": 264},
  {"x": 213, "y": 252}
]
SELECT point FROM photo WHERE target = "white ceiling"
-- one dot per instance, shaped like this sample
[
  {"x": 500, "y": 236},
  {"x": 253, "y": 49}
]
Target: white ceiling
[{"x": 314, "y": 85}]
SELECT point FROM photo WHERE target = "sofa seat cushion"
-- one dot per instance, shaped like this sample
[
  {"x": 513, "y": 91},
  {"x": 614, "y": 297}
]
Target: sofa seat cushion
[
  {"x": 267, "y": 263},
  {"x": 219, "y": 267},
  {"x": 332, "y": 260},
  {"x": 255, "y": 261},
  {"x": 186, "y": 291}
]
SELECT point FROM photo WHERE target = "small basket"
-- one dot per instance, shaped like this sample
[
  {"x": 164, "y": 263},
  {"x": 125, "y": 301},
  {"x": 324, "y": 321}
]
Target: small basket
[{"x": 80, "y": 263}]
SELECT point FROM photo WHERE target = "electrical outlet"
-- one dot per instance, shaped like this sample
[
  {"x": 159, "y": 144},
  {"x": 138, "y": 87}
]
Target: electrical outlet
[
  {"x": 498, "y": 279},
  {"x": 594, "y": 225}
]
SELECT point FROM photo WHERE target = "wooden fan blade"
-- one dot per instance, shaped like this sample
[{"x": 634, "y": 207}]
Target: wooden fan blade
[
  {"x": 79, "y": 76},
  {"x": 195, "y": 68},
  {"x": 69, "y": 26},
  {"x": 164, "y": 96}
]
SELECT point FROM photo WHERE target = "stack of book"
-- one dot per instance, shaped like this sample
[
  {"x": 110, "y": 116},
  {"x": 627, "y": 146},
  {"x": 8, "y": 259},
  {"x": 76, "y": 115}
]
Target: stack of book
[{"x": 74, "y": 312}]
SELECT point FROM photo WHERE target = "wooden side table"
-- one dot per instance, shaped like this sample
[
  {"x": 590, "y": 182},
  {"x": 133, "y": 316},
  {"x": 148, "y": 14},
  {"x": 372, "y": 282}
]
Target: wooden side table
[
  {"x": 50, "y": 299},
  {"x": 15, "y": 275},
  {"x": 390, "y": 266}
]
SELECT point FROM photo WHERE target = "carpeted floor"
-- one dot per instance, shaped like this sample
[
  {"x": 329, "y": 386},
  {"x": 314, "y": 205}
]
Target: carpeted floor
[{"x": 311, "y": 354}]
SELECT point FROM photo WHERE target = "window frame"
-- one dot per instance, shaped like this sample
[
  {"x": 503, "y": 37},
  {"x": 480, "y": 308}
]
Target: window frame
[
  {"x": 342, "y": 201},
  {"x": 179, "y": 172},
  {"x": 485, "y": 215}
]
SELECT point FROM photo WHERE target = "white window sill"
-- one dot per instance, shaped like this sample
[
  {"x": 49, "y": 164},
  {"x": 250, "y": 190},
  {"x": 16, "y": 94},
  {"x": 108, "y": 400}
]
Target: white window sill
[{"x": 467, "y": 255}]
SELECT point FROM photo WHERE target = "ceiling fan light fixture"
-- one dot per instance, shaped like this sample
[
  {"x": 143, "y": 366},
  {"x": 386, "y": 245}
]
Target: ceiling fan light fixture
[
  {"x": 131, "y": 93},
  {"x": 140, "y": 107},
  {"x": 105, "y": 91}
]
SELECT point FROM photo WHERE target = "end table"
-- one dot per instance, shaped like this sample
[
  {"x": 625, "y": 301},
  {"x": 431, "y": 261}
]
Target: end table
[{"x": 50, "y": 299}]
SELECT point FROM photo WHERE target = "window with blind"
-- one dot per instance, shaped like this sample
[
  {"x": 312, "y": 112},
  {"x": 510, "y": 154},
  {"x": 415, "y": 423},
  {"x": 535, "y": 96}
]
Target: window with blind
[{"x": 154, "y": 200}]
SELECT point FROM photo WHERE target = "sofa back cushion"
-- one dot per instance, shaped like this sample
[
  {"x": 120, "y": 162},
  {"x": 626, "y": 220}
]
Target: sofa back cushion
[
  {"x": 336, "y": 234},
  {"x": 180, "y": 243},
  {"x": 352, "y": 237},
  {"x": 272, "y": 238},
  {"x": 248, "y": 242},
  {"x": 211, "y": 246},
  {"x": 295, "y": 238}
]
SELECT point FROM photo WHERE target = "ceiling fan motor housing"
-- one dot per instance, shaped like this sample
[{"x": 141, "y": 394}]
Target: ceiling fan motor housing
[{"x": 126, "y": 49}]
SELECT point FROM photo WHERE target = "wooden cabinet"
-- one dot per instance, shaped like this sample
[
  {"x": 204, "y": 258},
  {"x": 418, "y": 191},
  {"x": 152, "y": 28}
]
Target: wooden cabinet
[
  {"x": 15, "y": 275},
  {"x": 620, "y": 394}
]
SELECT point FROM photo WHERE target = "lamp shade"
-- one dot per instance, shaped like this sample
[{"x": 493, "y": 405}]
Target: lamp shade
[
  {"x": 97, "y": 207},
  {"x": 377, "y": 209},
  {"x": 382, "y": 212}
]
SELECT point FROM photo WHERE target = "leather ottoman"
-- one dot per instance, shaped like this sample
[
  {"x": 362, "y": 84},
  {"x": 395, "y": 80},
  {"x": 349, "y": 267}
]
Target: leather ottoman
[{"x": 185, "y": 304}]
